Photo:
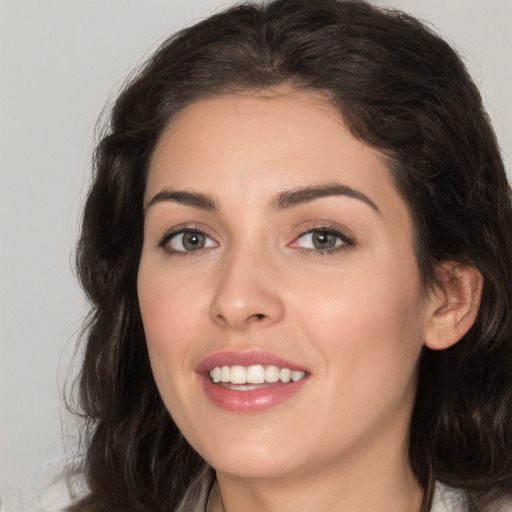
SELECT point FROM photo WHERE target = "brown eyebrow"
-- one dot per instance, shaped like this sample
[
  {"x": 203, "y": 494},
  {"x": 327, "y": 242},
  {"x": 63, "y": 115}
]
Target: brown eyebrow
[
  {"x": 194, "y": 199},
  {"x": 301, "y": 195},
  {"x": 284, "y": 200}
]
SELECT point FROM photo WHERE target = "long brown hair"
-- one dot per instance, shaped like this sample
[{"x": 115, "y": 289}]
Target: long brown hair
[{"x": 399, "y": 88}]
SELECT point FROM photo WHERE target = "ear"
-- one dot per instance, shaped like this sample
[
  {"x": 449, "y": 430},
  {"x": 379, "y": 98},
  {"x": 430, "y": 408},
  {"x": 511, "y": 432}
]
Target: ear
[{"x": 453, "y": 305}]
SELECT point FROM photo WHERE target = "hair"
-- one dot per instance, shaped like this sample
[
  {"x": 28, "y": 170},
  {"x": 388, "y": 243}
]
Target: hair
[{"x": 399, "y": 88}]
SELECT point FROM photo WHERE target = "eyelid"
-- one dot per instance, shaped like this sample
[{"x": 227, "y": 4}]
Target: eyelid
[
  {"x": 346, "y": 237},
  {"x": 182, "y": 229}
]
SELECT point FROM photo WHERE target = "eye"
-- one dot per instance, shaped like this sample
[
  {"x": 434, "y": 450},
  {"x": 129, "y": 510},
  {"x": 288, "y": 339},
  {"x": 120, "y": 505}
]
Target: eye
[
  {"x": 319, "y": 240},
  {"x": 187, "y": 240},
  {"x": 324, "y": 239}
]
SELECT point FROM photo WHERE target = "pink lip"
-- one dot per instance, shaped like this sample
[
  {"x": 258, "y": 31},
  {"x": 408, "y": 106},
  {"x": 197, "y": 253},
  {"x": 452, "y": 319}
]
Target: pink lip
[{"x": 253, "y": 401}]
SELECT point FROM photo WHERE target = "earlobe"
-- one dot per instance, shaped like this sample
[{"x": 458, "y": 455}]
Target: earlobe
[{"x": 454, "y": 305}]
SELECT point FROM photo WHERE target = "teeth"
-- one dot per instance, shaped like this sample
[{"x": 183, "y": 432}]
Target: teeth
[
  {"x": 297, "y": 376},
  {"x": 238, "y": 375},
  {"x": 216, "y": 374},
  {"x": 272, "y": 374},
  {"x": 255, "y": 374},
  {"x": 285, "y": 375},
  {"x": 225, "y": 374}
]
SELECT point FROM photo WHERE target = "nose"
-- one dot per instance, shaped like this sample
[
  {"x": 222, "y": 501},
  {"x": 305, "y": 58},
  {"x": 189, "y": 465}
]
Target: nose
[{"x": 247, "y": 293}]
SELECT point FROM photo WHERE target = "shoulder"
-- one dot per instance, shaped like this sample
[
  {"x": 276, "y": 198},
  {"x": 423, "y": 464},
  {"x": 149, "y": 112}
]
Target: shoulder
[
  {"x": 448, "y": 499},
  {"x": 196, "y": 496}
]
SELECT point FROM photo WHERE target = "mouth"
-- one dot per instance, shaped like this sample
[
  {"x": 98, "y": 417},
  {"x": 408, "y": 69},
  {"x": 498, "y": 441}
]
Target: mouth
[
  {"x": 257, "y": 376},
  {"x": 250, "y": 382}
]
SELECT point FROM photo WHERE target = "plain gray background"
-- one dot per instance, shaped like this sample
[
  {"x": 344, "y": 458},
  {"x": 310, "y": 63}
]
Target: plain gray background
[{"x": 60, "y": 60}]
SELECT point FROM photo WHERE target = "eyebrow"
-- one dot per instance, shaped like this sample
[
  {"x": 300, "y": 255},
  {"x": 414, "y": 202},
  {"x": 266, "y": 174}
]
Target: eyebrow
[
  {"x": 193, "y": 199},
  {"x": 294, "y": 197},
  {"x": 284, "y": 200}
]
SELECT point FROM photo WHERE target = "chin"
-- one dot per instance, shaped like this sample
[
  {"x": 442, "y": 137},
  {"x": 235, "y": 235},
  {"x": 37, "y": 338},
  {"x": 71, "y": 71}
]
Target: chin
[
  {"x": 258, "y": 468},
  {"x": 257, "y": 458}
]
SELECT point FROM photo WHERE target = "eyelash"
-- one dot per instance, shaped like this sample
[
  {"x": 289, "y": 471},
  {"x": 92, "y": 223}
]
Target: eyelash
[
  {"x": 347, "y": 241},
  {"x": 169, "y": 235}
]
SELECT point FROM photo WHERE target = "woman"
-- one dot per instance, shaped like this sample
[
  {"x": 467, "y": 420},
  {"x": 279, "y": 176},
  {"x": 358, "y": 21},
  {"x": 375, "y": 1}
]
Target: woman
[{"x": 297, "y": 250}]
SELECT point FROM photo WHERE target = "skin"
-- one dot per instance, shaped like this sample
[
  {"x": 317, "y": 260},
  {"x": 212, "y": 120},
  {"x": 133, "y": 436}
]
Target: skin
[{"x": 356, "y": 318}]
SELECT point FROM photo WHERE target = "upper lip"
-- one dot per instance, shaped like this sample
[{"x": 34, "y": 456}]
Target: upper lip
[{"x": 246, "y": 358}]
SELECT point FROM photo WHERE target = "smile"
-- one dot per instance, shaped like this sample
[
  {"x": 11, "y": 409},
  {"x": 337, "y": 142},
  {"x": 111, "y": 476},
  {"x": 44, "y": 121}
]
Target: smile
[
  {"x": 250, "y": 382},
  {"x": 255, "y": 374}
]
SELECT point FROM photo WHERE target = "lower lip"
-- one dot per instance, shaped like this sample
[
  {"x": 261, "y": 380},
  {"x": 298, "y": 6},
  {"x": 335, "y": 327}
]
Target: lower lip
[{"x": 253, "y": 401}]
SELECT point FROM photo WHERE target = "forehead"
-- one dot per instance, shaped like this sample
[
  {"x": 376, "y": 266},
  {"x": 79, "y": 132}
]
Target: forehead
[
  {"x": 264, "y": 143},
  {"x": 233, "y": 126}
]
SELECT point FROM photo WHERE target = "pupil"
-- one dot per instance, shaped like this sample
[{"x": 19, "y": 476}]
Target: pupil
[
  {"x": 323, "y": 240},
  {"x": 193, "y": 241}
]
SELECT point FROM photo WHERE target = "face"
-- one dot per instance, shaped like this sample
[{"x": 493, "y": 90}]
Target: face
[{"x": 280, "y": 295}]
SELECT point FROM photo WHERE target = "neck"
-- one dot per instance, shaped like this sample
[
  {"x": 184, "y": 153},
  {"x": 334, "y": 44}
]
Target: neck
[
  {"x": 400, "y": 493},
  {"x": 380, "y": 479}
]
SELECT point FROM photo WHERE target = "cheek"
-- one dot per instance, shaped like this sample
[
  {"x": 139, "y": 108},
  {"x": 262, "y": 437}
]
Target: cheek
[
  {"x": 369, "y": 320},
  {"x": 167, "y": 316},
  {"x": 168, "y": 305}
]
